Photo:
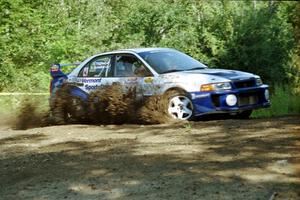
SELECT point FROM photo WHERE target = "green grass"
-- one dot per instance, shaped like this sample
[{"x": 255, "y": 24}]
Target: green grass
[
  {"x": 10, "y": 105},
  {"x": 283, "y": 102}
]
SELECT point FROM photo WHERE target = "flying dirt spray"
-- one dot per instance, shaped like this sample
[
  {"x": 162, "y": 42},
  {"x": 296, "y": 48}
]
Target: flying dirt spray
[{"x": 108, "y": 105}]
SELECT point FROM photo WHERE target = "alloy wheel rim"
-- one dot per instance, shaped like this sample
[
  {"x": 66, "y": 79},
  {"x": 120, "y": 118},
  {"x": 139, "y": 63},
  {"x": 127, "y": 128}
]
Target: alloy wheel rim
[{"x": 180, "y": 107}]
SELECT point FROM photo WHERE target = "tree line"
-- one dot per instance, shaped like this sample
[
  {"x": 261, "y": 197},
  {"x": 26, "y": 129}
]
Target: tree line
[{"x": 255, "y": 36}]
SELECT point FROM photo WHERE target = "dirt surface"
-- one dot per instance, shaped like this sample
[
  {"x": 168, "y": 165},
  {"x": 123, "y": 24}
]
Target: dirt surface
[{"x": 219, "y": 159}]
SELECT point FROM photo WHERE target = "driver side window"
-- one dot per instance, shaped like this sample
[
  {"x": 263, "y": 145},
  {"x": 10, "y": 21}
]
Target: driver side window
[{"x": 130, "y": 66}]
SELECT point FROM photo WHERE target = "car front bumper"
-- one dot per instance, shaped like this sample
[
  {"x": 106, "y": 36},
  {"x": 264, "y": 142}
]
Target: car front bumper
[{"x": 215, "y": 102}]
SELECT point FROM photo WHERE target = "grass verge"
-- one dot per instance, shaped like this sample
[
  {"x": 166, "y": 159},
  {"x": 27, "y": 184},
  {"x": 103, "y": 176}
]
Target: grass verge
[{"x": 283, "y": 102}]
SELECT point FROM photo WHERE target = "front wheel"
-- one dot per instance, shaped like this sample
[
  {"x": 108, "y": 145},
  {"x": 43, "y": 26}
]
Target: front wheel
[{"x": 179, "y": 105}]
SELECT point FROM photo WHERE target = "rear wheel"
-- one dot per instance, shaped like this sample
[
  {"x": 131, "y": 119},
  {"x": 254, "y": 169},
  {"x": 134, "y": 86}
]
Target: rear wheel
[
  {"x": 179, "y": 105},
  {"x": 66, "y": 108},
  {"x": 76, "y": 110}
]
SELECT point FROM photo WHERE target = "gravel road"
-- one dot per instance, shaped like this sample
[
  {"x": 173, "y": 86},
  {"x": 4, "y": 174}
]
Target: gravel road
[{"x": 219, "y": 159}]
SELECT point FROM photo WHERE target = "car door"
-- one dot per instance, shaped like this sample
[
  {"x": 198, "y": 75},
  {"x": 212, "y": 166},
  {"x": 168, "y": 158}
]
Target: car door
[{"x": 130, "y": 72}]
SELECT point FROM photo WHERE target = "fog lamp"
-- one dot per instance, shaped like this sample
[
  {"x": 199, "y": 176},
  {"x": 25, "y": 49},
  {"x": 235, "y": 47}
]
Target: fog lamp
[
  {"x": 231, "y": 100},
  {"x": 267, "y": 95}
]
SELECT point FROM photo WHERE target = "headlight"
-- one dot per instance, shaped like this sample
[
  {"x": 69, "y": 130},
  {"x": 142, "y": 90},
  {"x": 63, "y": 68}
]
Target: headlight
[
  {"x": 215, "y": 86},
  {"x": 259, "y": 81}
]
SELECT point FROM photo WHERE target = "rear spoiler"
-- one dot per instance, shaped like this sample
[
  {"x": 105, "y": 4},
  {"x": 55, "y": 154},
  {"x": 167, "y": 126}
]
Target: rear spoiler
[{"x": 55, "y": 69}]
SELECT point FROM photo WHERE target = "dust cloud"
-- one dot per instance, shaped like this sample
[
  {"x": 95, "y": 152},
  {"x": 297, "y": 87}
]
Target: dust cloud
[{"x": 108, "y": 105}]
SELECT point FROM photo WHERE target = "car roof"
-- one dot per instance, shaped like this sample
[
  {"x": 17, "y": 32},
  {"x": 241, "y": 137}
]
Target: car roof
[{"x": 140, "y": 50}]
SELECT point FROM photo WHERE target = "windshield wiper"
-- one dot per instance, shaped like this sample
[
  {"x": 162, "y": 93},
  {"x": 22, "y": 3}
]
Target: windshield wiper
[
  {"x": 172, "y": 70},
  {"x": 195, "y": 68}
]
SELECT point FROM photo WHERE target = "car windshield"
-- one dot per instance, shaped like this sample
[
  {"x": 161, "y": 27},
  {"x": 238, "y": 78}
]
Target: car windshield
[{"x": 171, "y": 61}]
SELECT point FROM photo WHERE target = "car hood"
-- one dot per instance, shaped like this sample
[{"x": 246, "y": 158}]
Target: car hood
[
  {"x": 213, "y": 75},
  {"x": 222, "y": 73},
  {"x": 205, "y": 76}
]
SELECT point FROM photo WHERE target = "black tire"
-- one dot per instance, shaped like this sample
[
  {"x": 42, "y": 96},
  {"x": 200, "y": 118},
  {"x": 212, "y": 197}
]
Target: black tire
[
  {"x": 66, "y": 108},
  {"x": 169, "y": 95},
  {"x": 76, "y": 110}
]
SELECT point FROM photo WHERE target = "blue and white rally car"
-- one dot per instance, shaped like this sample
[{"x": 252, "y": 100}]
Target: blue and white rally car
[{"x": 191, "y": 88}]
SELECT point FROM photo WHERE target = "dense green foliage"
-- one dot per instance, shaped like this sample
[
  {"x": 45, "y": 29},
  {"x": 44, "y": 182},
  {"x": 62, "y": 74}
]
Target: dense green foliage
[{"x": 255, "y": 36}]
